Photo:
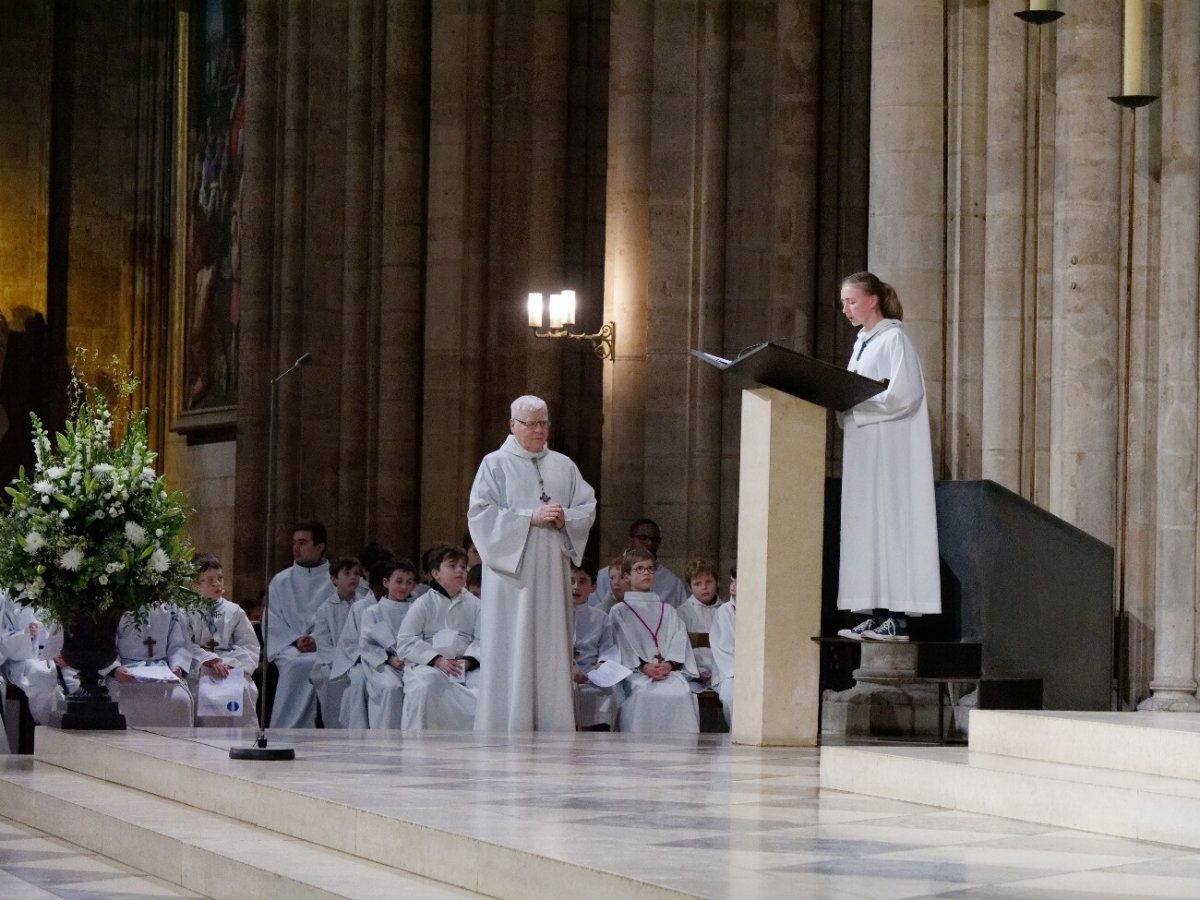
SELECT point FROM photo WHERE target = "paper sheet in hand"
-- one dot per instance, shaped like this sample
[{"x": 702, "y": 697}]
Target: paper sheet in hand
[
  {"x": 608, "y": 673},
  {"x": 50, "y": 644},
  {"x": 151, "y": 674},
  {"x": 221, "y": 696}
]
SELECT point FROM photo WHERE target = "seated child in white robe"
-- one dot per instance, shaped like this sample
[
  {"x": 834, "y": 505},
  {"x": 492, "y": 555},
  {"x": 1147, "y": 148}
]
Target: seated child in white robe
[
  {"x": 377, "y": 646},
  {"x": 618, "y": 584},
  {"x": 721, "y": 640},
  {"x": 162, "y": 640},
  {"x": 330, "y": 622},
  {"x": 225, "y": 641},
  {"x": 698, "y": 610},
  {"x": 651, "y": 640},
  {"x": 349, "y": 658},
  {"x": 597, "y": 706},
  {"x": 22, "y": 662},
  {"x": 439, "y": 640}
]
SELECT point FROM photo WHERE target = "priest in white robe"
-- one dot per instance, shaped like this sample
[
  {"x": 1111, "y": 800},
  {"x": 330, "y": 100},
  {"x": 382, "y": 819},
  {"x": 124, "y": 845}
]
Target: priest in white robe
[
  {"x": 223, "y": 640},
  {"x": 889, "y": 559},
  {"x": 293, "y": 598},
  {"x": 651, "y": 641},
  {"x": 530, "y": 513},
  {"x": 439, "y": 641},
  {"x": 162, "y": 641},
  {"x": 381, "y": 661}
]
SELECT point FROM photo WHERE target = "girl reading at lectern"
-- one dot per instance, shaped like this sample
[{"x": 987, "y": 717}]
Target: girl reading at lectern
[{"x": 889, "y": 558}]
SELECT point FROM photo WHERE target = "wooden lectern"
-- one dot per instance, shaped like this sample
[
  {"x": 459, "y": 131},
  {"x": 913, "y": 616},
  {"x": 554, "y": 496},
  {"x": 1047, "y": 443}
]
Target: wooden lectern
[{"x": 781, "y": 507}]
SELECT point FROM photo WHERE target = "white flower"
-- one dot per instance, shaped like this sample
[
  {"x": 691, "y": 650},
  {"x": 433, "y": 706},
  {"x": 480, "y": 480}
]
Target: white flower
[
  {"x": 159, "y": 561},
  {"x": 45, "y": 498},
  {"x": 101, "y": 469},
  {"x": 43, "y": 487},
  {"x": 148, "y": 474},
  {"x": 56, "y": 472},
  {"x": 34, "y": 542},
  {"x": 103, "y": 579},
  {"x": 135, "y": 533},
  {"x": 71, "y": 560},
  {"x": 114, "y": 567},
  {"x": 64, "y": 514}
]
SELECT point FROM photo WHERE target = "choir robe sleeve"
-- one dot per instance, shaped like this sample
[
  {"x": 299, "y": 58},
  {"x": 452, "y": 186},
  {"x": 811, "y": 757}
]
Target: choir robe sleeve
[
  {"x": 282, "y": 626},
  {"x": 372, "y": 652},
  {"x": 347, "y": 649},
  {"x": 500, "y": 532},
  {"x": 198, "y": 634},
  {"x": 721, "y": 641},
  {"x": 419, "y": 621},
  {"x": 323, "y": 632},
  {"x": 578, "y": 513},
  {"x": 180, "y": 649},
  {"x": 15, "y": 642},
  {"x": 677, "y": 648},
  {"x": 244, "y": 647},
  {"x": 896, "y": 360}
]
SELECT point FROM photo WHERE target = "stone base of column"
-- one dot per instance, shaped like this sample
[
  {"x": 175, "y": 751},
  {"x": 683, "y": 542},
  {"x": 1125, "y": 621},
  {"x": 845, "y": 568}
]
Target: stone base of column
[
  {"x": 1170, "y": 700},
  {"x": 886, "y": 700}
]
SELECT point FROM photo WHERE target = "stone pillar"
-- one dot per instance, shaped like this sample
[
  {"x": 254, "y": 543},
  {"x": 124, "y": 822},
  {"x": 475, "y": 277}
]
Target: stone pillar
[
  {"x": 1173, "y": 685},
  {"x": 1087, "y": 189}
]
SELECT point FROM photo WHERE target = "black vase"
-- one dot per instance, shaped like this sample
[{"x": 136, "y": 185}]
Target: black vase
[{"x": 89, "y": 644}]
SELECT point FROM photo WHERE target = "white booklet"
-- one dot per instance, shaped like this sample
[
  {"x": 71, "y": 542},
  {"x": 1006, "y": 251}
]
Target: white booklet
[
  {"x": 221, "y": 696},
  {"x": 608, "y": 673},
  {"x": 152, "y": 673}
]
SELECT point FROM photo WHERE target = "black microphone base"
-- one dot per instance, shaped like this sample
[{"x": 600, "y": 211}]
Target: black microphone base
[{"x": 263, "y": 754}]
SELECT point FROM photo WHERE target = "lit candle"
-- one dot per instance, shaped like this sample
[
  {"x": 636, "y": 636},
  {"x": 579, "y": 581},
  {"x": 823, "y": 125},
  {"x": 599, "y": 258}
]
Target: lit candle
[
  {"x": 556, "y": 312},
  {"x": 1039, "y": 5},
  {"x": 534, "y": 306},
  {"x": 568, "y": 307},
  {"x": 1131, "y": 84}
]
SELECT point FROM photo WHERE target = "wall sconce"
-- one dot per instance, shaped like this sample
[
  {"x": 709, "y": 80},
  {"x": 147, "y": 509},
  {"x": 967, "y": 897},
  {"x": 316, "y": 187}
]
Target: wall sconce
[{"x": 561, "y": 309}]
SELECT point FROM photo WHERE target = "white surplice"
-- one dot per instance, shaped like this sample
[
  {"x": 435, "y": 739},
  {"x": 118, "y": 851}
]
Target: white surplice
[
  {"x": 438, "y": 625},
  {"x": 721, "y": 639},
  {"x": 224, "y": 632},
  {"x": 593, "y": 634},
  {"x": 698, "y": 618},
  {"x": 646, "y": 630},
  {"x": 20, "y": 662},
  {"x": 348, "y": 663},
  {"x": 293, "y": 598},
  {"x": 889, "y": 556},
  {"x": 327, "y": 632},
  {"x": 526, "y": 622},
  {"x": 163, "y": 640},
  {"x": 385, "y": 683},
  {"x": 667, "y": 585}
]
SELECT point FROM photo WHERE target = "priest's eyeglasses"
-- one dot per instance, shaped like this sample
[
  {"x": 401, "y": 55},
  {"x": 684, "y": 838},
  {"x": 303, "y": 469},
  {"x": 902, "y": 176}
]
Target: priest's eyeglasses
[
  {"x": 536, "y": 426},
  {"x": 644, "y": 570}
]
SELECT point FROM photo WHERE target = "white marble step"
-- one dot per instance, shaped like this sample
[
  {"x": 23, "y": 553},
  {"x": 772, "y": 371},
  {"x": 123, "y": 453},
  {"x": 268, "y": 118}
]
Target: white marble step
[
  {"x": 1152, "y": 743},
  {"x": 210, "y": 854},
  {"x": 1087, "y": 798}
]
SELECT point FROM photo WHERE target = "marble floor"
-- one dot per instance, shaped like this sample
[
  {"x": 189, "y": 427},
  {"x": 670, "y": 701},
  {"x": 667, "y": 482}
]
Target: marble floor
[{"x": 673, "y": 815}]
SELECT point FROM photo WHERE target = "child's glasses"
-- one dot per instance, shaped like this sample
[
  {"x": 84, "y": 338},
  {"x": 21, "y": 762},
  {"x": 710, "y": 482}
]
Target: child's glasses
[{"x": 644, "y": 570}]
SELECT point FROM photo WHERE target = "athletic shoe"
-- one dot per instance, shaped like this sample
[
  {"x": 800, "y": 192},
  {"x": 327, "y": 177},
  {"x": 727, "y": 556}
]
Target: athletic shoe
[
  {"x": 856, "y": 633},
  {"x": 890, "y": 629}
]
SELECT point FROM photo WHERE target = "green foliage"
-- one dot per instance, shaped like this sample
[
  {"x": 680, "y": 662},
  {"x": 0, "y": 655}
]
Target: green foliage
[{"x": 94, "y": 528}]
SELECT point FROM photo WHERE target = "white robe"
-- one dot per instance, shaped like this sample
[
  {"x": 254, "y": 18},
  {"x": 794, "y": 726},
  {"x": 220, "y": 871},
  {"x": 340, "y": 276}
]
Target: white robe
[
  {"x": 593, "y": 634},
  {"x": 654, "y": 707},
  {"x": 433, "y": 701},
  {"x": 348, "y": 663},
  {"x": 385, "y": 683},
  {"x": 889, "y": 555},
  {"x": 234, "y": 643},
  {"x": 698, "y": 618},
  {"x": 293, "y": 598},
  {"x": 154, "y": 704},
  {"x": 721, "y": 639},
  {"x": 526, "y": 621},
  {"x": 19, "y": 660},
  {"x": 327, "y": 632},
  {"x": 666, "y": 584}
]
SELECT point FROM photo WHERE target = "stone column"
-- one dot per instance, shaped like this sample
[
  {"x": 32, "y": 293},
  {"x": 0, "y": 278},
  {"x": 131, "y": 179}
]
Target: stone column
[
  {"x": 1084, "y": 392},
  {"x": 1173, "y": 685}
]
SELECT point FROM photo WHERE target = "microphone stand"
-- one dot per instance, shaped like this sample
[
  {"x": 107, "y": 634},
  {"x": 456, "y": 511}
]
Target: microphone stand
[{"x": 260, "y": 751}]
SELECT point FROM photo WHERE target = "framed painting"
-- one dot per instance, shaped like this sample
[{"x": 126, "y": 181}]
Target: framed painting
[{"x": 211, "y": 113}]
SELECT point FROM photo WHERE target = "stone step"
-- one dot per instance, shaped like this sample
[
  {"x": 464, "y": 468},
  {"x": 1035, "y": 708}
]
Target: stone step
[
  {"x": 210, "y": 854},
  {"x": 1087, "y": 798},
  {"x": 1152, "y": 743}
]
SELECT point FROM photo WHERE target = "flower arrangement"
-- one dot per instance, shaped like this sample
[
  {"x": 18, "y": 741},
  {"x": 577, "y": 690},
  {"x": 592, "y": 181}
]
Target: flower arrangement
[{"x": 94, "y": 532}]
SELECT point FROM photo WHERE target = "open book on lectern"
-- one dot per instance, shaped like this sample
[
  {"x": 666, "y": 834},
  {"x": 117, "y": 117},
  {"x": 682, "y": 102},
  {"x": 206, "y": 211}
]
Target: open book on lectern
[{"x": 775, "y": 366}]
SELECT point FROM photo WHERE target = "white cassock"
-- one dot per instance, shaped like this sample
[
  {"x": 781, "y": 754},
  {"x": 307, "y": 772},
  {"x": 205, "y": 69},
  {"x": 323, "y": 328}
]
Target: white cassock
[
  {"x": 666, "y": 584},
  {"x": 20, "y": 662},
  {"x": 697, "y": 619},
  {"x": 646, "y": 629},
  {"x": 721, "y": 640},
  {"x": 385, "y": 683},
  {"x": 438, "y": 625},
  {"x": 224, "y": 632},
  {"x": 293, "y": 598},
  {"x": 889, "y": 555},
  {"x": 526, "y": 622},
  {"x": 593, "y": 633},
  {"x": 163, "y": 640},
  {"x": 347, "y": 662},
  {"x": 327, "y": 632}
]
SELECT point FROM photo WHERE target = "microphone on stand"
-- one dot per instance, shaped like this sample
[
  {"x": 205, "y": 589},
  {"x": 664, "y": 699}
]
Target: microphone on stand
[{"x": 260, "y": 750}]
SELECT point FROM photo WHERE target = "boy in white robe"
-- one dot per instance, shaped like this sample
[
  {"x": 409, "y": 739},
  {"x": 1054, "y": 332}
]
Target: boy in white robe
[
  {"x": 21, "y": 638},
  {"x": 618, "y": 584},
  {"x": 162, "y": 640},
  {"x": 698, "y": 611},
  {"x": 439, "y": 641},
  {"x": 293, "y": 598},
  {"x": 327, "y": 632},
  {"x": 382, "y": 664},
  {"x": 721, "y": 640},
  {"x": 651, "y": 640},
  {"x": 348, "y": 659},
  {"x": 597, "y": 706},
  {"x": 224, "y": 640}
]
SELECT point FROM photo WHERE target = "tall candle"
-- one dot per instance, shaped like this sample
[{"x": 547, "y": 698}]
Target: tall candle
[
  {"x": 1039, "y": 5},
  {"x": 1131, "y": 84}
]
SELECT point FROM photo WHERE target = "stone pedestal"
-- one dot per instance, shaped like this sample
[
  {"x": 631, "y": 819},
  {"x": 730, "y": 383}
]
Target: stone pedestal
[{"x": 885, "y": 701}]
